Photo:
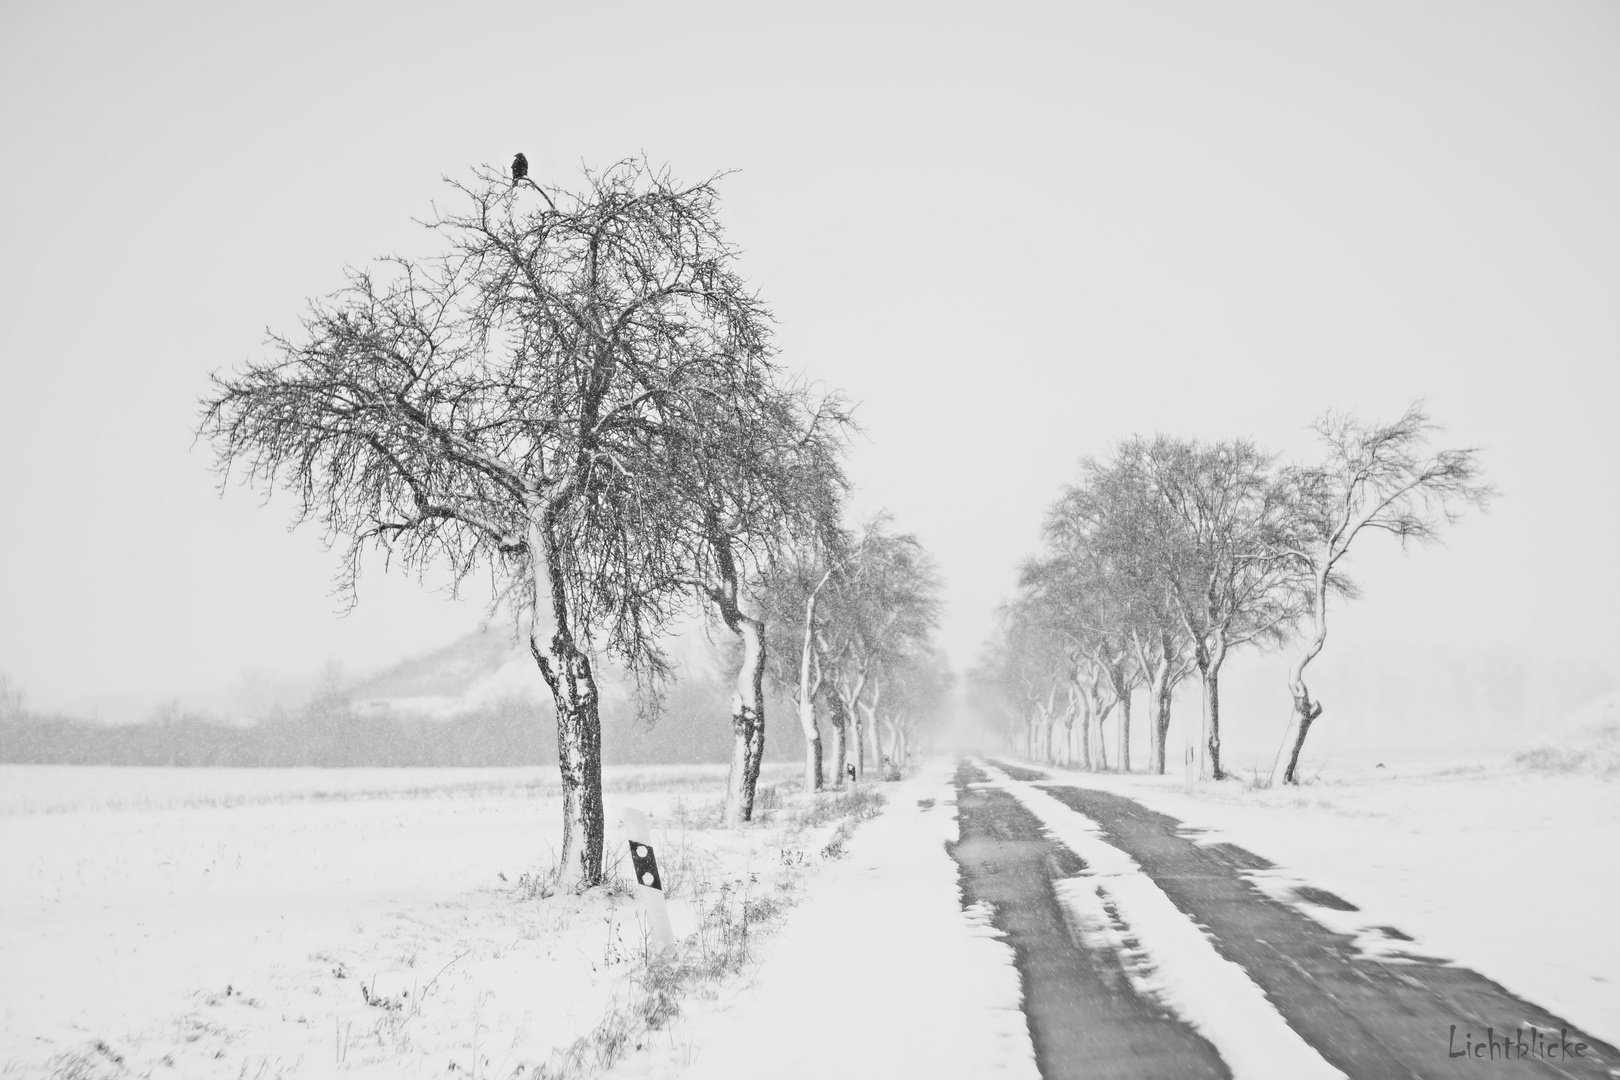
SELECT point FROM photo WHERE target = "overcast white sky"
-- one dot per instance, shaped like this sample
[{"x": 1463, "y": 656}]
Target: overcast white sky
[{"x": 1015, "y": 232}]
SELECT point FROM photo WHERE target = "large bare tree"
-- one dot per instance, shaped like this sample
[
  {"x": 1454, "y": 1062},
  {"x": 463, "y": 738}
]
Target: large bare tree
[
  {"x": 514, "y": 404},
  {"x": 1376, "y": 478}
]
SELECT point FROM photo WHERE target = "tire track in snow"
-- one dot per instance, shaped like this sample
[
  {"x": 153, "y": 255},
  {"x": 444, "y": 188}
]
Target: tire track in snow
[
  {"x": 1180, "y": 967},
  {"x": 1083, "y": 1015}
]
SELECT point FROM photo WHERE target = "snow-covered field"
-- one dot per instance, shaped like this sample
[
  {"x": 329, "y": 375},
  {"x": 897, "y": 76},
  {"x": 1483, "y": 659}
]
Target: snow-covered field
[
  {"x": 47, "y": 789},
  {"x": 1506, "y": 871},
  {"x": 324, "y": 921}
]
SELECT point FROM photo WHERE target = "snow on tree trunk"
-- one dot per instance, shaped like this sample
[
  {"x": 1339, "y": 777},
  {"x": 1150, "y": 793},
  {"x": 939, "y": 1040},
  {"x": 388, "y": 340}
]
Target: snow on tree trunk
[
  {"x": 567, "y": 672},
  {"x": 840, "y": 746},
  {"x": 747, "y": 721},
  {"x": 812, "y": 743},
  {"x": 1125, "y": 731},
  {"x": 1209, "y": 670},
  {"x": 1085, "y": 732},
  {"x": 1305, "y": 710},
  {"x": 875, "y": 737},
  {"x": 579, "y": 752},
  {"x": 872, "y": 734},
  {"x": 857, "y": 741},
  {"x": 1161, "y": 718},
  {"x": 809, "y": 685},
  {"x": 1102, "y": 738}
]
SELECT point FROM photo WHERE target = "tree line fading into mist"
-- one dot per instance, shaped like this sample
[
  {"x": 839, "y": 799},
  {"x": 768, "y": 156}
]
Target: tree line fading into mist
[{"x": 1163, "y": 559}]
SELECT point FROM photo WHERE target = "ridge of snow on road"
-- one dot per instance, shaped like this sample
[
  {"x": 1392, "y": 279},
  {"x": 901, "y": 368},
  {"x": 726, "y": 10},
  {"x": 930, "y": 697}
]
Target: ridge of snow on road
[{"x": 1179, "y": 965}]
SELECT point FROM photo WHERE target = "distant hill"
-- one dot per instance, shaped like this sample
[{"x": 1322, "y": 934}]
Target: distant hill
[
  {"x": 470, "y": 673},
  {"x": 494, "y": 665}
]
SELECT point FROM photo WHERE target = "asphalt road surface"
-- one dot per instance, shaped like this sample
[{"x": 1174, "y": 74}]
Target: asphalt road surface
[{"x": 1371, "y": 1018}]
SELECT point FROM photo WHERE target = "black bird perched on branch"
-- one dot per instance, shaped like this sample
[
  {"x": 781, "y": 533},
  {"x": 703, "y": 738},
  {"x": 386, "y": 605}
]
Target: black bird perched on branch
[{"x": 520, "y": 168}]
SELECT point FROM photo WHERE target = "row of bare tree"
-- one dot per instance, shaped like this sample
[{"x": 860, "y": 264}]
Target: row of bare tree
[
  {"x": 580, "y": 398},
  {"x": 1162, "y": 560},
  {"x": 854, "y": 624}
]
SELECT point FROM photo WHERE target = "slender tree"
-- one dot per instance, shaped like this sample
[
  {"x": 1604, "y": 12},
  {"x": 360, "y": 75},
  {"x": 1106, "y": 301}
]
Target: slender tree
[
  {"x": 791, "y": 594},
  {"x": 1375, "y": 478}
]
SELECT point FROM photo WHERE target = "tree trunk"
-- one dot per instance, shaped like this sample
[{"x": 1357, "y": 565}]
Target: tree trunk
[
  {"x": 852, "y": 722},
  {"x": 1125, "y": 731},
  {"x": 857, "y": 744},
  {"x": 840, "y": 746},
  {"x": 1305, "y": 710},
  {"x": 1211, "y": 673},
  {"x": 567, "y": 672},
  {"x": 747, "y": 720},
  {"x": 1068, "y": 730},
  {"x": 813, "y": 780},
  {"x": 1305, "y": 713},
  {"x": 872, "y": 733},
  {"x": 812, "y": 743},
  {"x": 1085, "y": 731},
  {"x": 1162, "y": 692},
  {"x": 1102, "y": 738}
]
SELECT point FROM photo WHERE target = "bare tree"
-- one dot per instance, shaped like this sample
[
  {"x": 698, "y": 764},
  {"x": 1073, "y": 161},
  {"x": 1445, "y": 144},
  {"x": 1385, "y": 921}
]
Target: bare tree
[
  {"x": 1220, "y": 535},
  {"x": 918, "y": 683},
  {"x": 792, "y": 594},
  {"x": 1096, "y": 581},
  {"x": 515, "y": 405},
  {"x": 884, "y": 605},
  {"x": 1376, "y": 478},
  {"x": 764, "y": 478},
  {"x": 1114, "y": 520},
  {"x": 1162, "y": 655},
  {"x": 1049, "y": 655}
]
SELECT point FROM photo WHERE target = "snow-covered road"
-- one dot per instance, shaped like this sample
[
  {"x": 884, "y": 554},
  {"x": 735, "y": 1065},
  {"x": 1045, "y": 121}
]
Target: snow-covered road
[{"x": 1273, "y": 989}]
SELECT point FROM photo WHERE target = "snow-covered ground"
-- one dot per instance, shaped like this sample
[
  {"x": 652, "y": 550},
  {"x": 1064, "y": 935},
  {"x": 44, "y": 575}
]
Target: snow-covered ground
[
  {"x": 371, "y": 933},
  {"x": 879, "y": 974},
  {"x": 50, "y": 789},
  {"x": 1509, "y": 872}
]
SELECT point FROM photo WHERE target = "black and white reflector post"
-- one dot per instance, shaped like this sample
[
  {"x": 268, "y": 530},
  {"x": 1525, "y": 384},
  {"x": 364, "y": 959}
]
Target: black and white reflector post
[{"x": 649, "y": 885}]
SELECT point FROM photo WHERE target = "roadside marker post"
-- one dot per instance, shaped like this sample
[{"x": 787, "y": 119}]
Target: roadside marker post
[
  {"x": 649, "y": 884},
  {"x": 1189, "y": 758}
]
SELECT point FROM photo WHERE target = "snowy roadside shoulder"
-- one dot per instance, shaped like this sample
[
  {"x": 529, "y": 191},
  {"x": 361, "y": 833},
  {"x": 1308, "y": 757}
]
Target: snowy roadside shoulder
[
  {"x": 1178, "y": 965},
  {"x": 1500, "y": 870},
  {"x": 878, "y": 973},
  {"x": 723, "y": 906}
]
